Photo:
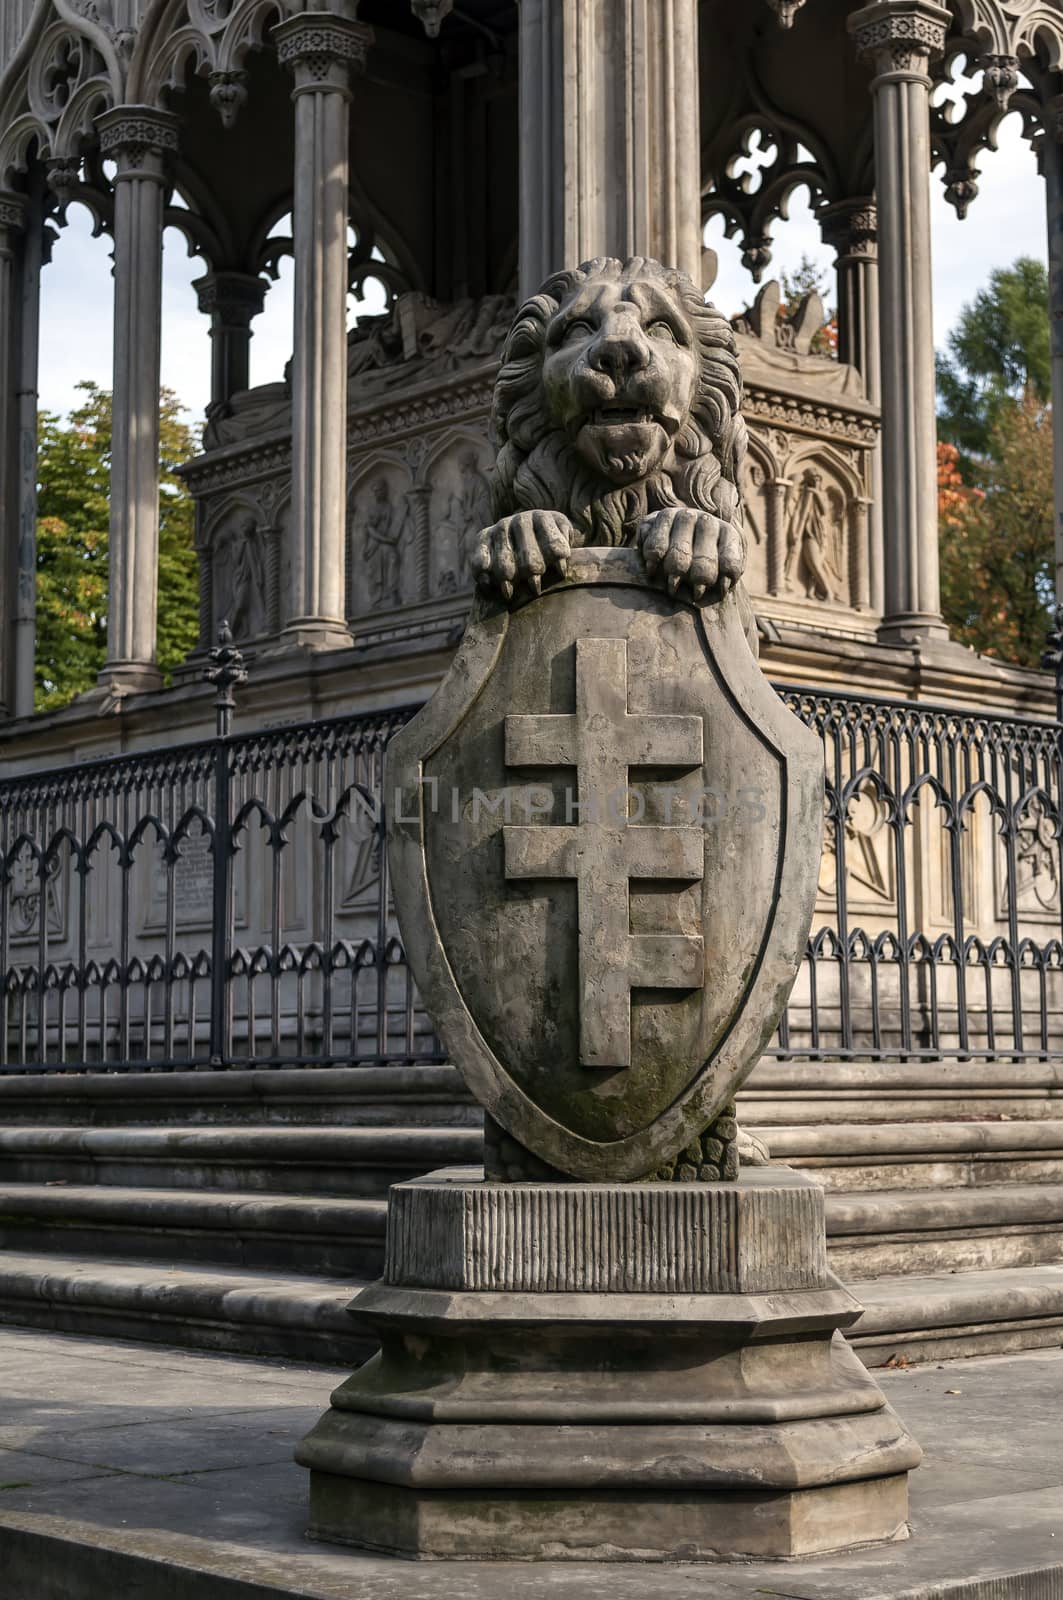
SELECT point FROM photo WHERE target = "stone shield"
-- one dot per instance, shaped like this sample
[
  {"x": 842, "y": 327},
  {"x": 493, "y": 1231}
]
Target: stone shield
[{"x": 604, "y": 835}]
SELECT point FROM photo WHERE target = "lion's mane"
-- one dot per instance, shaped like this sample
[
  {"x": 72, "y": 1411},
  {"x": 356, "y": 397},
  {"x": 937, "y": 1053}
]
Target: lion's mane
[{"x": 537, "y": 468}]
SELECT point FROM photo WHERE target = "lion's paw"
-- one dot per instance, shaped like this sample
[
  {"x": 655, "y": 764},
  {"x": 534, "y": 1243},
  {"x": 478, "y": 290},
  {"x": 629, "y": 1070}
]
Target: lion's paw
[
  {"x": 522, "y": 549},
  {"x": 692, "y": 547}
]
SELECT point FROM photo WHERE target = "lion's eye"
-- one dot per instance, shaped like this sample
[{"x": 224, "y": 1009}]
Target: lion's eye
[
  {"x": 576, "y": 330},
  {"x": 661, "y": 330}
]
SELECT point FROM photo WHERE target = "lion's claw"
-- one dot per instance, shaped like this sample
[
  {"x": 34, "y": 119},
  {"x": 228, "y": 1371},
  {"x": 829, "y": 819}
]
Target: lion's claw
[
  {"x": 521, "y": 549},
  {"x": 692, "y": 547}
]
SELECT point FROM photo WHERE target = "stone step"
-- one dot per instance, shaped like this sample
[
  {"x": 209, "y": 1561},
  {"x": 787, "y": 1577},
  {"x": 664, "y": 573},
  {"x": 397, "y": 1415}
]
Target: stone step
[
  {"x": 333, "y": 1096},
  {"x": 201, "y": 1308},
  {"x": 944, "y": 1315},
  {"x": 794, "y": 1092},
  {"x": 321, "y": 1235},
  {"x": 902, "y": 1233},
  {"x": 892, "y": 1155},
  {"x": 273, "y": 1160}
]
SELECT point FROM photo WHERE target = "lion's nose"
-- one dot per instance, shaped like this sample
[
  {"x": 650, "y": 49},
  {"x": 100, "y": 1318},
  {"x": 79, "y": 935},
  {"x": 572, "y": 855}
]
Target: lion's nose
[{"x": 619, "y": 354}]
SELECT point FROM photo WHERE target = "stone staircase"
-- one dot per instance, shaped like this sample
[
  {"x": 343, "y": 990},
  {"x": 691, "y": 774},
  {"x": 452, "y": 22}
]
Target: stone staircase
[
  {"x": 230, "y": 1211},
  {"x": 944, "y": 1186},
  {"x": 240, "y": 1211}
]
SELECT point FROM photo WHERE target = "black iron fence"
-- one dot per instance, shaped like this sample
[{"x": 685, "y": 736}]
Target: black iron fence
[
  {"x": 226, "y": 903},
  {"x": 939, "y": 917}
]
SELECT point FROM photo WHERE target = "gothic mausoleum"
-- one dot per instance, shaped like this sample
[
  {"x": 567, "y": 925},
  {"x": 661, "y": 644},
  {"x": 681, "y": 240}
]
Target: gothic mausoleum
[{"x": 197, "y": 927}]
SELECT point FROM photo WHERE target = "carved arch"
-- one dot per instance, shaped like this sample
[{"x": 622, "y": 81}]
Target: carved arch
[
  {"x": 207, "y": 37},
  {"x": 1015, "y": 29},
  {"x": 67, "y": 70},
  {"x": 957, "y": 140},
  {"x": 761, "y": 455},
  {"x": 801, "y": 160},
  {"x": 813, "y": 452}
]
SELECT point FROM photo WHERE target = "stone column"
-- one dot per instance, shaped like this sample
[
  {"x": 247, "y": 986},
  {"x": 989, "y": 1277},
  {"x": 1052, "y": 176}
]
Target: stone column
[
  {"x": 138, "y": 139},
  {"x": 899, "y": 38},
  {"x": 850, "y": 229},
  {"x": 609, "y": 134},
  {"x": 1052, "y": 161},
  {"x": 321, "y": 50},
  {"x": 24, "y": 624},
  {"x": 230, "y": 300},
  {"x": 12, "y": 223}
]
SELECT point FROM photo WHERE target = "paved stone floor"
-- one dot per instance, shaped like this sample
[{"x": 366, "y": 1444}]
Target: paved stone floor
[{"x": 128, "y": 1473}]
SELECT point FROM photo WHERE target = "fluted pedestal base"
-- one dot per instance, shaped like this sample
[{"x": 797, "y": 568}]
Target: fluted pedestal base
[{"x": 608, "y": 1372}]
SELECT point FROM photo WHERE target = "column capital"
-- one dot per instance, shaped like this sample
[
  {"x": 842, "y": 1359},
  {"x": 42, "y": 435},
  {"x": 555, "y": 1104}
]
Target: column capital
[
  {"x": 900, "y": 37},
  {"x": 322, "y": 49},
  {"x": 13, "y": 211},
  {"x": 850, "y": 229},
  {"x": 138, "y": 138},
  {"x": 235, "y": 297}
]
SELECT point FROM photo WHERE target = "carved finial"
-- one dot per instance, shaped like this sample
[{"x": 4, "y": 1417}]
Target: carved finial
[
  {"x": 431, "y": 14},
  {"x": 64, "y": 178},
  {"x": 786, "y": 11},
  {"x": 961, "y": 189},
  {"x": 756, "y": 255},
  {"x": 226, "y": 671},
  {"x": 228, "y": 94},
  {"x": 1001, "y": 78}
]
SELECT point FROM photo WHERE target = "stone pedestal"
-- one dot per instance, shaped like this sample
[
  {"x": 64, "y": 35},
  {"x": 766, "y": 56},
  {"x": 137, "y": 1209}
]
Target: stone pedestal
[{"x": 602, "y": 1372}]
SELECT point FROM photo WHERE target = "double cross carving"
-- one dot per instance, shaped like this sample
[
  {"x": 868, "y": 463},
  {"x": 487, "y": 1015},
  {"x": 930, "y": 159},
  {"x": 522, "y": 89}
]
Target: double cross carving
[{"x": 604, "y": 851}]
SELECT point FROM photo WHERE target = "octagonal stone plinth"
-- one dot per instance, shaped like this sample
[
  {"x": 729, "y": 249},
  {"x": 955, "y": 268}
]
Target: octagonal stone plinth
[{"x": 608, "y": 1372}]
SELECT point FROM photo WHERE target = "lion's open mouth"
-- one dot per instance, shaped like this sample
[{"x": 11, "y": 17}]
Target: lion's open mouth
[{"x": 607, "y": 415}]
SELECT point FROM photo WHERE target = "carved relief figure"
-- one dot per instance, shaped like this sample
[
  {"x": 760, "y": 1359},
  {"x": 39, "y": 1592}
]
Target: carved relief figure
[
  {"x": 811, "y": 560},
  {"x": 617, "y": 415},
  {"x": 440, "y": 338},
  {"x": 468, "y": 510},
  {"x": 240, "y": 578},
  {"x": 382, "y": 532}
]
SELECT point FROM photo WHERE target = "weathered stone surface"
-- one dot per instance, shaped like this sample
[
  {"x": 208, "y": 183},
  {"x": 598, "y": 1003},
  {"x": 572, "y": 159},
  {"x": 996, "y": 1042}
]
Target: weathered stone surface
[
  {"x": 605, "y": 829},
  {"x": 617, "y": 411},
  {"x": 164, "y": 1421},
  {"x": 673, "y": 1525},
  {"x": 452, "y": 1230},
  {"x": 455, "y": 1231},
  {"x": 564, "y": 1388},
  {"x": 513, "y": 898}
]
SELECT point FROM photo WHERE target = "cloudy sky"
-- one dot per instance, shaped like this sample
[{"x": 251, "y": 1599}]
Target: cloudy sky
[{"x": 1006, "y": 221}]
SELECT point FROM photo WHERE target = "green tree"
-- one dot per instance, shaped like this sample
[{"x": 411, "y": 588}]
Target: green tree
[
  {"x": 998, "y": 354},
  {"x": 997, "y": 554},
  {"x": 73, "y": 472},
  {"x": 995, "y": 467}
]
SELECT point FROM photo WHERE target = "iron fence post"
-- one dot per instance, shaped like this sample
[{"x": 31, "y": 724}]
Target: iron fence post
[
  {"x": 1052, "y": 661},
  {"x": 226, "y": 671}
]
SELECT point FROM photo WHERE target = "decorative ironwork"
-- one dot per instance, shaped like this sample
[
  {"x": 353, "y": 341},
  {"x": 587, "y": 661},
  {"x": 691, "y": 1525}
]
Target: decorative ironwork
[
  {"x": 226, "y": 903},
  {"x": 944, "y": 826},
  {"x": 195, "y": 904}
]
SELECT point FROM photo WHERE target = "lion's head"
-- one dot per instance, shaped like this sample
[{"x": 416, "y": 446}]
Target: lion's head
[{"x": 618, "y": 394}]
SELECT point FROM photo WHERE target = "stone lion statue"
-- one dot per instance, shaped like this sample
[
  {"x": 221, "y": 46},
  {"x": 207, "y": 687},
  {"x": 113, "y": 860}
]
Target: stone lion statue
[{"x": 617, "y": 420}]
